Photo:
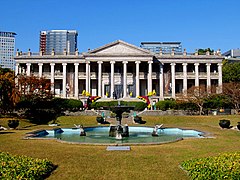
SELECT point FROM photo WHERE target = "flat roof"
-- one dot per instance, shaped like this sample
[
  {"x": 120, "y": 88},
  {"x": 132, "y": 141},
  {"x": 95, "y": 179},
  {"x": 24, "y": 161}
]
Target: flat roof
[
  {"x": 160, "y": 43},
  {"x": 13, "y": 33}
]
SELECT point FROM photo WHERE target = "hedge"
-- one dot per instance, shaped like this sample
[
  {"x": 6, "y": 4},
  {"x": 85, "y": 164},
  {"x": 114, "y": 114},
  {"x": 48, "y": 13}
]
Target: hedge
[
  {"x": 23, "y": 167},
  {"x": 224, "y": 166},
  {"x": 138, "y": 106}
]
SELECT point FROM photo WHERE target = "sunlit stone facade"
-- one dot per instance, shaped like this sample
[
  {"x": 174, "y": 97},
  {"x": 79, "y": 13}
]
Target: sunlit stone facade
[{"x": 124, "y": 69}]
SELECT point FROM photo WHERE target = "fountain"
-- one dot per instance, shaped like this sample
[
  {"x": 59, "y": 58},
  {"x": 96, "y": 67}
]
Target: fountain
[{"x": 119, "y": 131}]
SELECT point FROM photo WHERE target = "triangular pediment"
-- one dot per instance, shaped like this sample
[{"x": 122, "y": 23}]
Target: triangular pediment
[{"x": 119, "y": 47}]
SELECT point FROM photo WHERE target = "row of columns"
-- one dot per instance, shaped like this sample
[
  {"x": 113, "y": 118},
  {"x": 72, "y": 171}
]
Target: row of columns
[
  {"x": 149, "y": 85},
  {"x": 196, "y": 77}
]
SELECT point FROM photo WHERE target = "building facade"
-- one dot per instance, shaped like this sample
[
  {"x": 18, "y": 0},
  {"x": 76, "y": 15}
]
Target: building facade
[
  {"x": 164, "y": 47},
  {"x": 232, "y": 53},
  {"x": 58, "y": 40},
  {"x": 7, "y": 47},
  {"x": 123, "y": 69}
]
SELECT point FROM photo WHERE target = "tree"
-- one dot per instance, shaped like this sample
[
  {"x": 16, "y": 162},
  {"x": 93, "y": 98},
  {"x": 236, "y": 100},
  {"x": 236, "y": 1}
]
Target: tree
[
  {"x": 36, "y": 99},
  {"x": 197, "y": 95},
  {"x": 203, "y": 51},
  {"x": 231, "y": 72},
  {"x": 9, "y": 96},
  {"x": 216, "y": 101},
  {"x": 34, "y": 87},
  {"x": 232, "y": 90}
]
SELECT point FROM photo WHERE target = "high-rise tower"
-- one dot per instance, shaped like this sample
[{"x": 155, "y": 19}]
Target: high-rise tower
[
  {"x": 59, "y": 40},
  {"x": 7, "y": 46}
]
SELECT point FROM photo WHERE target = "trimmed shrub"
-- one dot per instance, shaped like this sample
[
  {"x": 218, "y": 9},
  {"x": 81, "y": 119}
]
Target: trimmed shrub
[
  {"x": 42, "y": 111},
  {"x": 138, "y": 106},
  {"x": 67, "y": 104},
  {"x": 166, "y": 104},
  {"x": 41, "y": 116},
  {"x": 23, "y": 167},
  {"x": 224, "y": 166},
  {"x": 186, "y": 106}
]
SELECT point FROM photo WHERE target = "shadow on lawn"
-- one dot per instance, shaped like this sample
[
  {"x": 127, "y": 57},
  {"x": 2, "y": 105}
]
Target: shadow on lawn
[{"x": 3, "y": 132}]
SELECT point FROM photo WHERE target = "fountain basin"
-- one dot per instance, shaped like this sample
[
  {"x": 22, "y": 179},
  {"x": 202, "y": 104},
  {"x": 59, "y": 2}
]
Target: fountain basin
[{"x": 137, "y": 135}]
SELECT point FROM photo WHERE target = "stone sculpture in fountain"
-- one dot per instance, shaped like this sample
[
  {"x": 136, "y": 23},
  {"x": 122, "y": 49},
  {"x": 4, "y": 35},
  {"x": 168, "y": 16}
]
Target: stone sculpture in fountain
[{"x": 119, "y": 131}]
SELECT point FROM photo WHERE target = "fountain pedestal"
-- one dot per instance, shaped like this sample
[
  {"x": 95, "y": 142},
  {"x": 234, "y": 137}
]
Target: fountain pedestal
[{"x": 119, "y": 130}]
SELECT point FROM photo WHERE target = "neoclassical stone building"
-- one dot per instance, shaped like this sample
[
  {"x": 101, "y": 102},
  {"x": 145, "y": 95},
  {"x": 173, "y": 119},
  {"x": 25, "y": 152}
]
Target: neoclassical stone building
[{"x": 124, "y": 69}]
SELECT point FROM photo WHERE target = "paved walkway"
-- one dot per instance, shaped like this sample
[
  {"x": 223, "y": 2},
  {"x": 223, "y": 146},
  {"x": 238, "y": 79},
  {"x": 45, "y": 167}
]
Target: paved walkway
[{"x": 128, "y": 121}]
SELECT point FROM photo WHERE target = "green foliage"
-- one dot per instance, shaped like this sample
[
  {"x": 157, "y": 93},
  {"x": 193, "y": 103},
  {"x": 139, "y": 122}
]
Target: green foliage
[
  {"x": 138, "y": 106},
  {"x": 43, "y": 110},
  {"x": 41, "y": 116},
  {"x": 166, "y": 104},
  {"x": 7, "y": 97},
  {"x": 203, "y": 51},
  {"x": 23, "y": 167},
  {"x": 224, "y": 166},
  {"x": 186, "y": 106},
  {"x": 218, "y": 101},
  {"x": 231, "y": 72},
  {"x": 67, "y": 104}
]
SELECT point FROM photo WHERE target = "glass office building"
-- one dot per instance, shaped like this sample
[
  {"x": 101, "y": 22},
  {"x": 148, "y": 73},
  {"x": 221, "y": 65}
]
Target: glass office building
[
  {"x": 166, "y": 47},
  {"x": 7, "y": 47},
  {"x": 59, "y": 40}
]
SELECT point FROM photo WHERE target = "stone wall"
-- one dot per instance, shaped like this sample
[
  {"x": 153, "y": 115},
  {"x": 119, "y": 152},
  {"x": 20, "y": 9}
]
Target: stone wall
[
  {"x": 167, "y": 113},
  {"x": 143, "y": 113}
]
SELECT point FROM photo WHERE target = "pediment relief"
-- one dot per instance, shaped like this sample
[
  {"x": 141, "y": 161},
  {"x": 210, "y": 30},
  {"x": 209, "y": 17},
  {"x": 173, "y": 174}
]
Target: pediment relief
[{"x": 119, "y": 47}]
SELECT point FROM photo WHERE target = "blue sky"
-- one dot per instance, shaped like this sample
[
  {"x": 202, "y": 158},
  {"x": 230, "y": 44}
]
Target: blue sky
[{"x": 195, "y": 23}]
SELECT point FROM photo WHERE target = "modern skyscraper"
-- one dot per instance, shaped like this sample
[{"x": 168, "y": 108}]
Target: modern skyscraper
[
  {"x": 59, "y": 40},
  {"x": 7, "y": 46},
  {"x": 166, "y": 47}
]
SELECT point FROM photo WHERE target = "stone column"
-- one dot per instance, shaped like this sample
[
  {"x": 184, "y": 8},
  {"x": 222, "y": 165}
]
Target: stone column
[
  {"x": 16, "y": 69},
  {"x": 112, "y": 78},
  {"x": 20, "y": 70},
  {"x": 125, "y": 79},
  {"x": 196, "y": 74},
  {"x": 137, "y": 79},
  {"x": 28, "y": 69},
  {"x": 208, "y": 77},
  {"x": 184, "y": 78},
  {"x": 99, "y": 78},
  {"x": 150, "y": 76},
  {"x": 64, "y": 79},
  {"x": 161, "y": 88},
  {"x": 173, "y": 79},
  {"x": 87, "y": 76},
  {"x": 52, "y": 76},
  {"x": 220, "y": 77},
  {"x": 76, "y": 80},
  {"x": 40, "y": 67}
]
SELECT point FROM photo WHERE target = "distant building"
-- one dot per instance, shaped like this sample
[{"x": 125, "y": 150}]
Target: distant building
[
  {"x": 7, "y": 46},
  {"x": 166, "y": 47},
  {"x": 59, "y": 40},
  {"x": 233, "y": 53}
]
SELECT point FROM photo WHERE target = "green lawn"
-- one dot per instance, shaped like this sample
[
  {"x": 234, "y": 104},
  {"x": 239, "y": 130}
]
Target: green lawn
[{"x": 142, "y": 162}]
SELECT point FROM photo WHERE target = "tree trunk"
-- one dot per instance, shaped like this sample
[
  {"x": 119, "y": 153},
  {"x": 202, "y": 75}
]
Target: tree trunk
[{"x": 200, "y": 110}]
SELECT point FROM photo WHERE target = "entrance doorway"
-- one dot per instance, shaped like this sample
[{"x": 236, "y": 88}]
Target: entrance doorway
[{"x": 118, "y": 89}]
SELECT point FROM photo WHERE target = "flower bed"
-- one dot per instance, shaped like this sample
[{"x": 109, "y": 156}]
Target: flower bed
[
  {"x": 224, "y": 166},
  {"x": 23, "y": 167}
]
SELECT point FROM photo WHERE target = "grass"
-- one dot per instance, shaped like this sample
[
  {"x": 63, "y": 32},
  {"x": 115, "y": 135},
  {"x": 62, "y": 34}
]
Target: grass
[{"x": 142, "y": 162}]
